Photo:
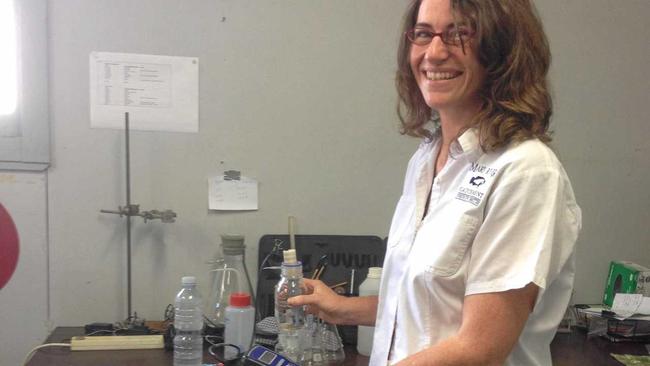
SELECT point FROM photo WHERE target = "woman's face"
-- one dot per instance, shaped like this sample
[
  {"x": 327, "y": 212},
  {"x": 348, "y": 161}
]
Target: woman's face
[{"x": 448, "y": 79}]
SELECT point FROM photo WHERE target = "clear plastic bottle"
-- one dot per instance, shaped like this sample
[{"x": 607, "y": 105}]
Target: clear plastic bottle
[
  {"x": 294, "y": 340},
  {"x": 240, "y": 323},
  {"x": 188, "y": 323},
  {"x": 230, "y": 276},
  {"x": 369, "y": 287}
]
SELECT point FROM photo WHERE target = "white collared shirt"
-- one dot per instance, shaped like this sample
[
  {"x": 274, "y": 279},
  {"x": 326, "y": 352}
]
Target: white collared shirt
[{"x": 495, "y": 222}]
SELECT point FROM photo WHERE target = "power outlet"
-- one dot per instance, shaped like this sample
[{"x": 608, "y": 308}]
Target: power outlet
[{"x": 83, "y": 343}]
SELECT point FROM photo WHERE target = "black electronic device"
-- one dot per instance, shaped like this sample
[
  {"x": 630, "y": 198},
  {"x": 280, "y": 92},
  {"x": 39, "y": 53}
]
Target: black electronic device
[{"x": 262, "y": 356}]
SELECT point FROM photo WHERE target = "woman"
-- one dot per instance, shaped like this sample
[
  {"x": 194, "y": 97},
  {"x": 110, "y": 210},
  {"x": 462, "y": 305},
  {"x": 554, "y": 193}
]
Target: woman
[{"x": 480, "y": 259}]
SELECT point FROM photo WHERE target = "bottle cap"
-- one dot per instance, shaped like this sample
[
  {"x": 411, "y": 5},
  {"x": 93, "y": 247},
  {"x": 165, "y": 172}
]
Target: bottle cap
[
  {"x": 232, "y": 244},
  {"x": 240, "y": 299},
  {"x": 189, "y": 280},
  {"x": 374, "y": 272},
  {"x": 290, "y": 256}
]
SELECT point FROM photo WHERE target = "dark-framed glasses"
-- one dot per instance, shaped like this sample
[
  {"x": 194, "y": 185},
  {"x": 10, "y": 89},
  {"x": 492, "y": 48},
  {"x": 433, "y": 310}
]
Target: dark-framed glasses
[{"x": 453, "y": 36}]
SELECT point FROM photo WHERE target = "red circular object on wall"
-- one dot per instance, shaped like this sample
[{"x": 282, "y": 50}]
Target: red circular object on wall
[{"x": 8, "y": 247}]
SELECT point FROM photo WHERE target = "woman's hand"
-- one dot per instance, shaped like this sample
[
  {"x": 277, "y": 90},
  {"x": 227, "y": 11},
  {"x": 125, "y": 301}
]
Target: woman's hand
[
  {"x": 321, "y": 301},
  {"x": 333, "y": 308}
]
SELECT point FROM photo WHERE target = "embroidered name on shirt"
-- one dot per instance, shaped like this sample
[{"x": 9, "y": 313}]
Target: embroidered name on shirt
[
  {"x": 478, "y": 168},
  {"x": 469, "y": 195}
]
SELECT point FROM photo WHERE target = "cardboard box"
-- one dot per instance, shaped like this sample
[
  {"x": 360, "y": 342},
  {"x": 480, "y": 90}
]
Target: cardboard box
[{"x": 628, "y": 278}]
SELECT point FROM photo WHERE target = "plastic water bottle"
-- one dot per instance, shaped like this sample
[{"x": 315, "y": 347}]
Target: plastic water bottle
[
  {"x": 239, "y": 324},
  {"x": 294, "y": 341},
  {"x": 369, "y": 287},
  {"x": 188, "y": 323}
]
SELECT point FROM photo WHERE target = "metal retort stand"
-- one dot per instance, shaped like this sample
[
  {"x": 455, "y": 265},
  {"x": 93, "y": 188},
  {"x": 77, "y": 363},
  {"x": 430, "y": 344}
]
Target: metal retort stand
[{"x": 129, "y": 210}]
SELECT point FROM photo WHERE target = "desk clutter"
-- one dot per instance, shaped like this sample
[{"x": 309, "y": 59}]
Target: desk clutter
[
  {"x": 624, "y": 315},
  {"x": 599, "y": 321},
  {"x": 277, "y": 331},
  {"x": 338, "y": 260},
  {"x": 597, "y": 329}
]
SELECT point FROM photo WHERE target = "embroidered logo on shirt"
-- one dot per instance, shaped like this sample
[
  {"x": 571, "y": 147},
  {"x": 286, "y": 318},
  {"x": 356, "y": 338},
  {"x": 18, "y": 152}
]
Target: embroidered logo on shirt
[
  {"x": 477, "y": 181},
  {"x": 475, "y": 184}
]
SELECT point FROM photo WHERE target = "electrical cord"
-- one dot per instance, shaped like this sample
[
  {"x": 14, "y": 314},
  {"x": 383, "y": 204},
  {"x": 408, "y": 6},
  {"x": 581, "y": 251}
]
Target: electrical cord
[
  {"x": 277, "y": 249},
  {"x": 169, "y": 313},
  {"x": 248, "y": 279},
  {"x": 31, "y": 353},
  {"x": 210, "y": 322},
  {"x": 212, "y": 350}
]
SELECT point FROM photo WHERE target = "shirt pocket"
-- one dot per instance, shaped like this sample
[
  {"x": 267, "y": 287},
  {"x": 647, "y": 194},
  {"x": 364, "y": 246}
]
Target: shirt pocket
[
  {"x": 402, "y": 219},
  {"x": 451, "y": 257}
]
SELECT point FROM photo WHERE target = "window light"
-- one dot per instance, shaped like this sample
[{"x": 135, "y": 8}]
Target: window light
[{"x": 8, "y": 58}]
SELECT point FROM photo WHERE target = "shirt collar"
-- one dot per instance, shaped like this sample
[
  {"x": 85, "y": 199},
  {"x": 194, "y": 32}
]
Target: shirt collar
[{"x": 469, "y": 141}]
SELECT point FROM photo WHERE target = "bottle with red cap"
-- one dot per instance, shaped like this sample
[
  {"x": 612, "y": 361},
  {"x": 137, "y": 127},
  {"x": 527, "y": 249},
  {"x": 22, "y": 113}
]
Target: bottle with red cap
[{"x": 239, "y": 324}]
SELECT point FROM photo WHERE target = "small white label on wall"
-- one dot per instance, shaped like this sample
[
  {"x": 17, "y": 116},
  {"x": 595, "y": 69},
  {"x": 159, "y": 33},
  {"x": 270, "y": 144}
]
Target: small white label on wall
[
  {"x": 160, "y": 93},
  {"x": 232, "y": 195}
]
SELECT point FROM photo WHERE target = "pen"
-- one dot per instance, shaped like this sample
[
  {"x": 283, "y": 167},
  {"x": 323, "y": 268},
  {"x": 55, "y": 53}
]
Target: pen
[
  {"x": 320, "y": 267},
  {"x": 339, "y": 284}
]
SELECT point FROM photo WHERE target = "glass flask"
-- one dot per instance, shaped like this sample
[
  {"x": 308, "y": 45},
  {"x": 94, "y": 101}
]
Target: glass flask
[
  {"x": 230, "y": 276},
  {"x": 331, "y": 344}
]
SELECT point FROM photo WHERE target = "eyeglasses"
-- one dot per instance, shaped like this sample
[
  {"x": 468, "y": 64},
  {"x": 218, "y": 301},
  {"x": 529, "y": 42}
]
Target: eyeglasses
[{"x": 454, "y": 36}]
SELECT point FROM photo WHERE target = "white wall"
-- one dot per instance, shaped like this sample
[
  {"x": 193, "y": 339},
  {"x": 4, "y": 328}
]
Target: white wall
[
  {"x": 600, "y": 54},
  {"x": 23, "y": 300},
  {"x": 299, "y": 95}
]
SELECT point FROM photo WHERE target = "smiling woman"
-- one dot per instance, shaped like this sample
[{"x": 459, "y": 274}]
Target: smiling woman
[{"x": 480, "y": 261}]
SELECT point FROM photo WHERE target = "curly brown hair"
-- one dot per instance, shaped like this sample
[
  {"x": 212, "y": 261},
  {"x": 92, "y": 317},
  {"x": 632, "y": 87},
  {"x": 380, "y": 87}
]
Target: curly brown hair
[{"x": 512, "y": 47}]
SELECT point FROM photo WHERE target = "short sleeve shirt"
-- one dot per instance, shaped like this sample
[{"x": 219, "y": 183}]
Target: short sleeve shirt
[{"x": 496, "y": 221}]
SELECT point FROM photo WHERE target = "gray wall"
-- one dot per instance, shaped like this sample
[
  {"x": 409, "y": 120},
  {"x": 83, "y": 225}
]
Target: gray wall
[
  {"x": 600, "y": 51},
  {"x": 23, "y": 299},
  {"x": 299, "y": 95}
]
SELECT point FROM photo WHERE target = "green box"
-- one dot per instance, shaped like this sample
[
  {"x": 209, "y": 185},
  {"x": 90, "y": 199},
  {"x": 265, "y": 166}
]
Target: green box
[{"x": 628, "y": 278}]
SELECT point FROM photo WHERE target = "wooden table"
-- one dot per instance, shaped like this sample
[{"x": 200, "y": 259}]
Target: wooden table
[
  {"x": 570, "y": 349},
  {"x": 56, "y": 356}
]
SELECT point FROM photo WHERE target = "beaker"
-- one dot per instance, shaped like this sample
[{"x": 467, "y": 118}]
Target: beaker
[
  {"x": 230, "y": 275},
  {"x": 331, "y": 344}
]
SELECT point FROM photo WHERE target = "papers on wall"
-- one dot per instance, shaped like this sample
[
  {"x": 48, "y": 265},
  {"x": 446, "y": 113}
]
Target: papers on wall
[
  {"x": 160, "y": 93},
  {"x": 232, "y": 195}
]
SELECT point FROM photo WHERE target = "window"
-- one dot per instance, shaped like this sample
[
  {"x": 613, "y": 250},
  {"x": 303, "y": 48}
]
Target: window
[
  {"x": 24, "y": 126},
  {"x": 8, "y": 69}
]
